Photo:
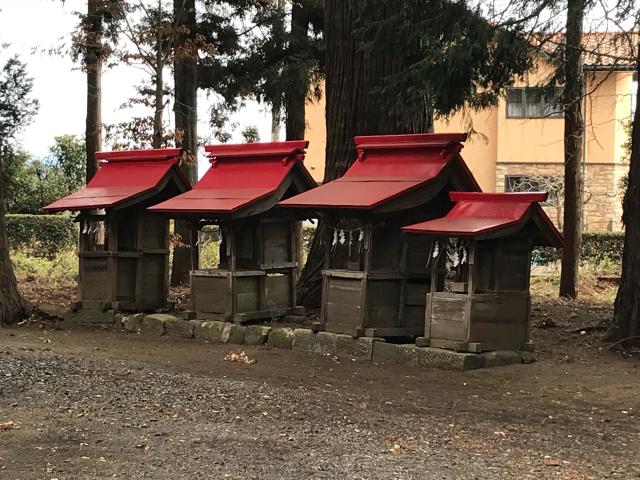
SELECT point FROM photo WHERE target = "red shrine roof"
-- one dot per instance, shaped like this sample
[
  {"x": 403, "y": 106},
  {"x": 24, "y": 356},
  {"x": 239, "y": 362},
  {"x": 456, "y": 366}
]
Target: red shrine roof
[
  {"x": 491, "y": 215},
  {"x": 389, "y": 166},
  {"x": 241, "y": 176},
  {"x": 124, "y": 176}
]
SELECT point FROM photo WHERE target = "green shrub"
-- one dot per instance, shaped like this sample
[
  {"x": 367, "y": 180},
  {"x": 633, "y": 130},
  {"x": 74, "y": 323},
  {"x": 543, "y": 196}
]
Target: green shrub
[
  {"x": 41, "y": 235},
  {"x": 308, "y": 231},
  {"x": 209, "y": 255},
  {"x": 602, "y": 247},
  {"x": 62, "y": 269},
  {"x": 597, "y": 248}
]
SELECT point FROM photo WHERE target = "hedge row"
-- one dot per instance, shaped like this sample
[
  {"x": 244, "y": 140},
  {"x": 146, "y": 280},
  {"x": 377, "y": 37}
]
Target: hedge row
[
  {"x": 47, "y": 235},
  {"x": 41, "y": 235},
  {"x": 596, "y": 248}
]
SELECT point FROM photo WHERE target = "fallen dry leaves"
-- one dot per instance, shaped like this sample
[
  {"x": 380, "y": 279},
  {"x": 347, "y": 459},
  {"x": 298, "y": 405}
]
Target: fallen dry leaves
[
  {"x": 241, "y": 357},
  {"x": 551, "y": 462},
  {"x": 4, "y": 426}
]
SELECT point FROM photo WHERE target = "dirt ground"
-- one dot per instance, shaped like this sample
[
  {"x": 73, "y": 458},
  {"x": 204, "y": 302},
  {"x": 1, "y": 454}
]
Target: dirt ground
[{"x": 85, "y": 404}]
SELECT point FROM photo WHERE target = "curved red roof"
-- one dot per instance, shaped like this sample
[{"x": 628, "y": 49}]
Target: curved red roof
[
  {"x": 241, "y": 175},
  {"x": 123, "y": 176},
  {"x": 388, "y": 166},
  {"x": 476, "y": 214}
]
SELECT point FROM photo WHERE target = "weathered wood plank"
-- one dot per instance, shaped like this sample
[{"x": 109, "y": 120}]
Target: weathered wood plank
[{"x": 278, "y": 291}]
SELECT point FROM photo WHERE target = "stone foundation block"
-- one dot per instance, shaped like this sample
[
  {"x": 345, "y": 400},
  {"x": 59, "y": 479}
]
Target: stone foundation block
[
  {"x": 500, "y": 358},
  {"x": 202, "y": 331},
  {"x": 281, "y": 338},
  {"x": 448, "y": 359},
  {"x": 132, "y": 323},
  {"x": 344, "y": 345},
  {"x": 232, "y": 333},
  {"x": 528, "y": 357},
  {"x": 326, "y": 343},
  {"x": 304, "y": 340},
  {"x": 256, "y": 334},
  {"x": 391, "y": 353},
  {"x": 179, "y": 327},
  {"x": 89, "y": 317},
  {"x": 210, "y": 331},
  {"x": 155, "y": 324},
  {"x": 358, "y": 348}
]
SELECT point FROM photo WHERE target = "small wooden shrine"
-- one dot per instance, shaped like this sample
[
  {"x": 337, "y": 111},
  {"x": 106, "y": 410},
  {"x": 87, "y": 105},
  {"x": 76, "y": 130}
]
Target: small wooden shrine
[
  {"x": 259, "y": 246},
  {"x": 480, "y": 263},
  {"x": 374, "y": 279},
  {"x": 123, "y": 248}
]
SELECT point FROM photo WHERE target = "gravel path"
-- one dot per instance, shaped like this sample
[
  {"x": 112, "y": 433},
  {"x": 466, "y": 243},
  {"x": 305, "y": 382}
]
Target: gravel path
[{"x": 90, "y": 404}]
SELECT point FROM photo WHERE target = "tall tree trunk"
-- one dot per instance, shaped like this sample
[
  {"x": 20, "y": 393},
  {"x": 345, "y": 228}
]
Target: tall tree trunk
[
  {"x": 573, "y": 143},
  {"x": 159, "y": 82},
  {"x": 276, "y": 105},
  {"x": 276, "y": 114},
  {"x": 626, "y": 315},
  {"x": 186, "y": 119},
  {"x": 11, "y": 307},
  {"x": 159, "y": 107},
  {"x": 93, "y": 65},
  {"x": 296, "y": 94},
  {"x": 353, "y": 108}
]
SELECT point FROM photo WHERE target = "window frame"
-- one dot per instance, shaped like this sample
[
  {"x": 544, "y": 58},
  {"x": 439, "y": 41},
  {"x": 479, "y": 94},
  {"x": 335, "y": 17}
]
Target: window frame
[
  {"x": 543, "y": 102},
  {"x": 552, "y": 195}
]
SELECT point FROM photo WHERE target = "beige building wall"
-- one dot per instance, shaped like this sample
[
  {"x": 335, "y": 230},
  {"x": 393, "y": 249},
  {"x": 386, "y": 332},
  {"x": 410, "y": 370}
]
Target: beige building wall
[
  {"x": 316, "y": 134},
  {"x": 480, "y": 150},
  {"x": 501, "y": 146}
]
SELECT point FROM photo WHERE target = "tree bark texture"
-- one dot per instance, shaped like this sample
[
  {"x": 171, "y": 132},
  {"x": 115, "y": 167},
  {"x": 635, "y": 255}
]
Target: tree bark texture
[
  {"x": 93, "y": 66},
  {"x": 296, "y": 94},
  {"x": 11, "y": 306},
  {"x": 573, "y": 148},
  {"x": 276, "y": 103},
  {"x": 186, "y": 118},
  {"x": 159, "y": 83},
  {"x": 159, "y": 107},
  {"x": 353, "y": 108},
  {"x": 626, "y": 315}
]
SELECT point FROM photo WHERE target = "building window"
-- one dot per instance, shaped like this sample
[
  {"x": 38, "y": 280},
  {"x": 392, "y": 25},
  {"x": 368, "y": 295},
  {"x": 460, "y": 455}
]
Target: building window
[
  {"x": 553, "y": 185},
  {"x": 534, "y": 103}
]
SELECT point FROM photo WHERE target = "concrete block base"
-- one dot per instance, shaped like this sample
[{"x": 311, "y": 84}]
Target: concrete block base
[
  {"x": 304, "y": 340},
  {"x": 232, "y": 333},
  {"x": 256, "y": 335},
  {"x": 281, "y": 338},
  {"x": 448, "y": 359},
  {"x": 179, "y": 327},
  {"x": 500, "y": 358},
  {"x": 155, "y": 324},
  {"x": 89, "y": 317},
  {"x": 394, "y": 354},
  {"x": 132, "y": 323}
]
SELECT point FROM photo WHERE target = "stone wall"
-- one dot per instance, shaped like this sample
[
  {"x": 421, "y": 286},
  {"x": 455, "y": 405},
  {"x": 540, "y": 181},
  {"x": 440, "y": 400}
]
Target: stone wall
[
  {"x": 603, "y": 193},
  {"x": 311, "y": 342}
]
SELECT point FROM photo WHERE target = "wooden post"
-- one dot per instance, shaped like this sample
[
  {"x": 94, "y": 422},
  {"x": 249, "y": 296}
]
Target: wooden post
[
  {"x": 368, "y": 242},
  {"x": 261, "y": 260},
  {"x": 296, "y": 256},
  {"x": 231, "y": 251},
  {"x": 111, "y": 228},
  {"x": 403, "y": 281},
  {"x": 471, "y": 287},
  {"x": 140, "y": 218}
]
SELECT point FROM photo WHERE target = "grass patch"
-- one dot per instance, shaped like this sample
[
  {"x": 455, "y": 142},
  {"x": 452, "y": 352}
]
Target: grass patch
[
  {"x": 209, "y": 255},
  {"x": 43, "y": 281},
  {"x": 62, "y": 268}
]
